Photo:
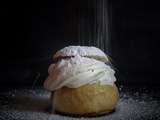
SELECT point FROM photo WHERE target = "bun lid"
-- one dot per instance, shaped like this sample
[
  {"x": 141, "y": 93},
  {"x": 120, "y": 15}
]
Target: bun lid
[{"x": 84, "y": 51}]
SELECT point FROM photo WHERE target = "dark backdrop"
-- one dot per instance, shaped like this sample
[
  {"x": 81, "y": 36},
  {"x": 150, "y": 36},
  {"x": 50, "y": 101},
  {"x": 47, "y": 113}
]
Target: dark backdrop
[{"x": 32, "y": 31}]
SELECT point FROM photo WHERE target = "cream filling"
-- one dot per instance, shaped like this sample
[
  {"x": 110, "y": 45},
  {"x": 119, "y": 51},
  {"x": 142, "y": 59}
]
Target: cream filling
[{"x": 78, "y": 71}]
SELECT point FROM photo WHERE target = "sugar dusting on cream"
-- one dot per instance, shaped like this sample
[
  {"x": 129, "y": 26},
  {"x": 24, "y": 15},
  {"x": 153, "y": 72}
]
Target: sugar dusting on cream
[{"x": 77, "y": 71}]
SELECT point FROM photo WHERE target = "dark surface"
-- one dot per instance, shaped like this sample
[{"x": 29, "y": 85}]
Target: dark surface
[{"x": 33, "y": 104}]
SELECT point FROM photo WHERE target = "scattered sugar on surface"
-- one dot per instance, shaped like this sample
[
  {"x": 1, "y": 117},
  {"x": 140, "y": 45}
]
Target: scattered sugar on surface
[{"x": 33, "y": 104}]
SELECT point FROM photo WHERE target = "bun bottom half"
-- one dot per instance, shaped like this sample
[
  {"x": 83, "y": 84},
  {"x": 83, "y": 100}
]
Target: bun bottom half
[{"x": 87, "y": 100}]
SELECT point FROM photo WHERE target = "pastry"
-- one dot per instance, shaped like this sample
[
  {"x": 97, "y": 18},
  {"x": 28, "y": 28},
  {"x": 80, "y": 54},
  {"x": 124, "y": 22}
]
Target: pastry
[
  {"x": 81, "y": 83},
  {"x": 84, "y": 51}
]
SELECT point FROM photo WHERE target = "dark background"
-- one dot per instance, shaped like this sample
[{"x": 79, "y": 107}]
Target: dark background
[{"x": 32, "y": 31}]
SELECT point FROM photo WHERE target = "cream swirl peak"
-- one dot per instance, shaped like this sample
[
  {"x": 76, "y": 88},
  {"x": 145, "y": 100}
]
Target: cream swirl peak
[{"x": 78, "y": 71}]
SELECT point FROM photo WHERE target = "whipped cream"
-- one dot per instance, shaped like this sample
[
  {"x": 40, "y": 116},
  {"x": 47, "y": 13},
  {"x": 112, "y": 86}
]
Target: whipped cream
[{"x": 78, "y": 71}]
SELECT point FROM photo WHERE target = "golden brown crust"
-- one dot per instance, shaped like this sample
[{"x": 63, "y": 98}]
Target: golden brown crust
[{"x": 88, "y": 100}]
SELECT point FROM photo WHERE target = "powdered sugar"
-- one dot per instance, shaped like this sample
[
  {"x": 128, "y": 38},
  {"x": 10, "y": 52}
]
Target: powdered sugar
[
  {"x": 82, "y": 51},
  {"x": 33, "y": 104}
]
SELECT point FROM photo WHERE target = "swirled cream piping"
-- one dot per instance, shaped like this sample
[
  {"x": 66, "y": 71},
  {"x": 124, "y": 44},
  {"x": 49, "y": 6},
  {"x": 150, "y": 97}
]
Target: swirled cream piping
[{"x": 77, "y": 71}]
